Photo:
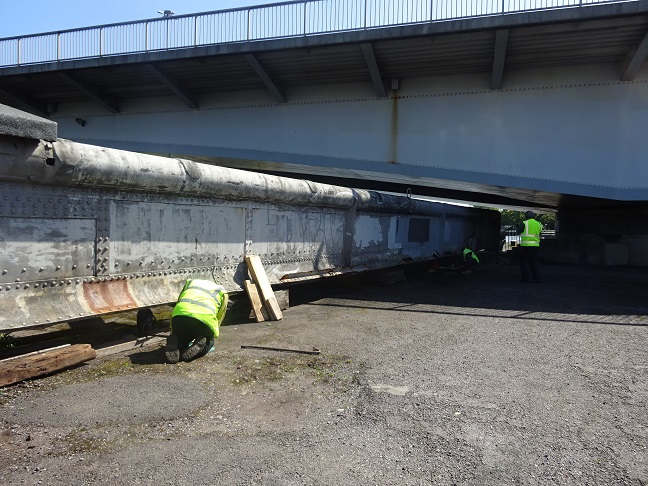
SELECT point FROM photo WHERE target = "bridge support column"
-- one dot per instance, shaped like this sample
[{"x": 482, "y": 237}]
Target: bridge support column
[{"x": 606, "y": 237}]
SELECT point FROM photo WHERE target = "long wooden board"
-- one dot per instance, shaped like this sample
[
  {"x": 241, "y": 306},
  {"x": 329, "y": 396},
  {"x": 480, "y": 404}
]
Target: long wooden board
[
  {"x": 255, "y": 267},
  {"x": 23, "y": 368},
  {"x": 257, "y": 306}
]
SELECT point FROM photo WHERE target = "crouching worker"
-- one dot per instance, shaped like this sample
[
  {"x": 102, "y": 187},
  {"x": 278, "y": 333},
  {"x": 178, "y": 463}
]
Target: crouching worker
[
  {"x": 196, "y": 320},
  {"x": 470, "y": 260}
]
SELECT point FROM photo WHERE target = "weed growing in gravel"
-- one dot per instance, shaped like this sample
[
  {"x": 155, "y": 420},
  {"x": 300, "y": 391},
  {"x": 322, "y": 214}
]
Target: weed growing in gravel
[
  {"x": 324, "y": 368},
  {"x": 83, "y": 439},
  {"x": 7, "y": 341}
]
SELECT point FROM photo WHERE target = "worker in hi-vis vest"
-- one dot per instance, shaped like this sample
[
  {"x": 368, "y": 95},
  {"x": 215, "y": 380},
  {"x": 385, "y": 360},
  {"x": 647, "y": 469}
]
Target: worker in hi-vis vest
[
  {"x": 196, "y": 320},
  {"x": 529, "y": 247},
  {"x": 470, "y": 260}
]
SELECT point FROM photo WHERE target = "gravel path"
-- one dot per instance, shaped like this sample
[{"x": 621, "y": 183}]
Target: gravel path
[{"x": 440, "y": 379}]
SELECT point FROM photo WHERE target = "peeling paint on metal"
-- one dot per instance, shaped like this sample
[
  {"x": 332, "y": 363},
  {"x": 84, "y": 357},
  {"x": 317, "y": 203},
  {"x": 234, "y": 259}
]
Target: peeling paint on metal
[{"x": 110, "y": 296}]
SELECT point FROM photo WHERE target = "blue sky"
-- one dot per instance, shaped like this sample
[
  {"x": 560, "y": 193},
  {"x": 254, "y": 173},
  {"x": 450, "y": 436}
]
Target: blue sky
[{"x": 23, "y": 17}]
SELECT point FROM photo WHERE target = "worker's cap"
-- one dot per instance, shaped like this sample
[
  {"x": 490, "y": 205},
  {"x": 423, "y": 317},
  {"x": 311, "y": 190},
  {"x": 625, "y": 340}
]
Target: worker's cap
[{"x": 529, "y": 214}]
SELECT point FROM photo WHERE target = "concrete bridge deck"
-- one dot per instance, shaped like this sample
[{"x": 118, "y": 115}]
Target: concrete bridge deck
[{"x": 543, "y": 108}]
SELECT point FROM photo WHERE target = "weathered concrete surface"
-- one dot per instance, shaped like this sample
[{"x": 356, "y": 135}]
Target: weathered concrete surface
[
  {"x": 440, "y": 379},
  {"x": 22, "y": 124}
]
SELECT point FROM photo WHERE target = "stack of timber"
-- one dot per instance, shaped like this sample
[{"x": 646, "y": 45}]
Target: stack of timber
[{"x": 263, "y": 300}]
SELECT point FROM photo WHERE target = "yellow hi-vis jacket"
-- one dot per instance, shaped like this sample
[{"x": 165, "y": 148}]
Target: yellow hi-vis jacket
[
  {"x": 203, "y": 300},
  {"x": 531, "y": 233},
  {"x": 468, "y": 253}
]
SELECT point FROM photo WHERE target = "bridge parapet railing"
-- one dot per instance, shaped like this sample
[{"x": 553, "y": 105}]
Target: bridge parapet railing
[{"x": 248, "y": 24}]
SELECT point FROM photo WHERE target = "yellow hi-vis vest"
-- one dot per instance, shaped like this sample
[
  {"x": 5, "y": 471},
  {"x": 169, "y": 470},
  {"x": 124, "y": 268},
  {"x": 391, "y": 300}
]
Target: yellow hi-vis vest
[
  {"x": 203, "y": 300},
  {"x": 531, "y": 234},
  {"x": 468, "y": 253}
]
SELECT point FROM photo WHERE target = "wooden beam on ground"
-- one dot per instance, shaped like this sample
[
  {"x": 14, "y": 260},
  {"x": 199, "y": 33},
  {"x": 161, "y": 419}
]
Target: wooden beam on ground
[
  {"x": 257, "y": 306},
  {"x": 255, "y": 267},
  {"x": 40, "y": 351},
  {"x": 131, "y": 344},
  {"x": 23, "y": 368}
]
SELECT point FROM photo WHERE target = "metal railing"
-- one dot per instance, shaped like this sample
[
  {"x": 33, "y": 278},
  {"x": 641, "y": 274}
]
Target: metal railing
[{"x": 279, "y": 20}]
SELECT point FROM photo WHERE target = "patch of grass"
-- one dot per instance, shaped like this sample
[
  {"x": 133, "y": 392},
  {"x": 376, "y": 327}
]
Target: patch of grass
[
  {"x": 113, "y": 367},
  {"x": 84, "y": 440},
  {"x": 266, "y": 369},
  {"x": 7, "y": 341},
  {"x": 325, "y": 369}
]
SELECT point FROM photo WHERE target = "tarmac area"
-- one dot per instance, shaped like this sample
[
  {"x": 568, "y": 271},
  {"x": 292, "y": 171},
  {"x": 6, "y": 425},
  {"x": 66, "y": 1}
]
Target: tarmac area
[{"x": 442, "y": 379}]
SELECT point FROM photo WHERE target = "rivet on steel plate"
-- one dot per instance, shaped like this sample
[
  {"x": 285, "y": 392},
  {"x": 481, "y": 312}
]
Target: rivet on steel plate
[
  {"x": 58, "y": 267},
  {"x": 74, "y": 267},
  {"x": 17, "y": 280},
  {"x": 4, "y": 272}
]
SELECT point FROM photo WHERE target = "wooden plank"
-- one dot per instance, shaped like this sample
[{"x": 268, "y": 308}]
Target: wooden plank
[
  {"x": 21, "y": 369},
  {"x": 130, "y": 344},
  {"x": 255, "y": 267},
  {"x": 273, "y": 309},
  {"x": 255, "y": 300},
  {"x": 40, "y": 351}
]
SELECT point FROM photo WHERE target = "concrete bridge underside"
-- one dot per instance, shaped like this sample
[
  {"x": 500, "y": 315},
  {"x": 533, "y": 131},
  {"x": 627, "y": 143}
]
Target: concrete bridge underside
[{"x": 543, "y": 109}]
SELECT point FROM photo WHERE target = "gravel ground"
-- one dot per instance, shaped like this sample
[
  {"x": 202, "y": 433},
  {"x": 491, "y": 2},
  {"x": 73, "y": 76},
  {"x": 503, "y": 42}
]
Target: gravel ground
[{"x": 440, "y": 379}]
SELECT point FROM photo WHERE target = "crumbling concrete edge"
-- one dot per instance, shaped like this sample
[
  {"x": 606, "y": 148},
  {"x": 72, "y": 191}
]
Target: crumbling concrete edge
[{"x": 22, "y": 124}]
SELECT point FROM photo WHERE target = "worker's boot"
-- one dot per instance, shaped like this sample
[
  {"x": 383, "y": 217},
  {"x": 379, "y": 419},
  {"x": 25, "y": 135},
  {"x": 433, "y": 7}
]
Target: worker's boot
[
  {"x": 196, "y": 350},
  {"x": 209, "y": 347},
  {"x": 171, "y": 351}
]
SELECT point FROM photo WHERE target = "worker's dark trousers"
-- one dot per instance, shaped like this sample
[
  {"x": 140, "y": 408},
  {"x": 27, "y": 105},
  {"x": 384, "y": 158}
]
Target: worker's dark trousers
[
  {"x": 188, "y": 328},
  {"x": 529, "y": 263}
]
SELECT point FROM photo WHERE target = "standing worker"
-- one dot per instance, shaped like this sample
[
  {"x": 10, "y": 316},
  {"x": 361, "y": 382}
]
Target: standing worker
[
  {"x": 530, "y": 246},
  {"x": 196, "y": 320}
]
